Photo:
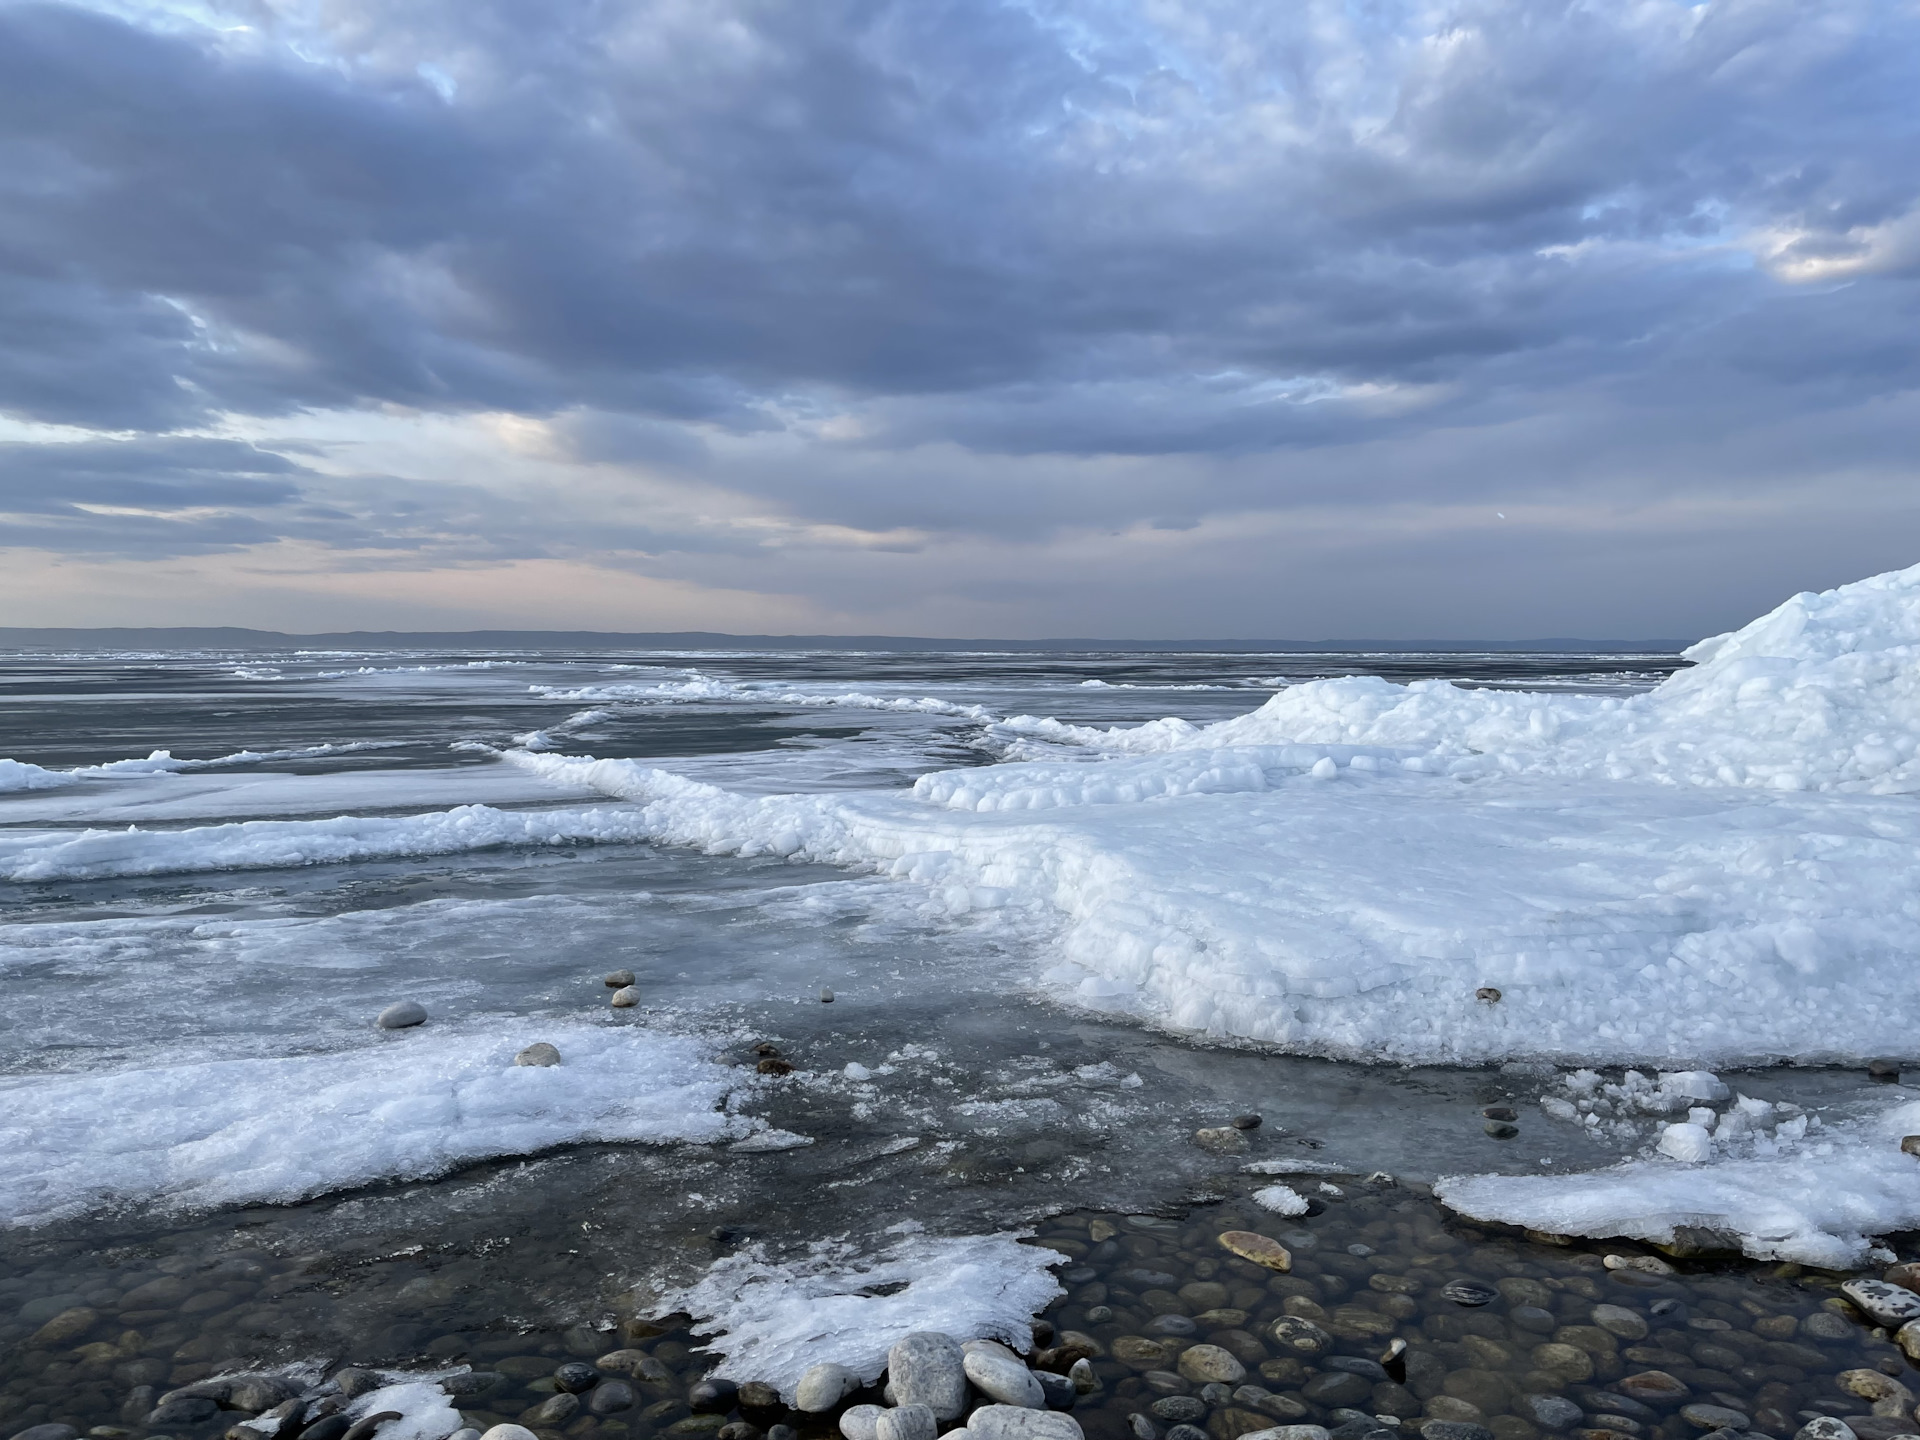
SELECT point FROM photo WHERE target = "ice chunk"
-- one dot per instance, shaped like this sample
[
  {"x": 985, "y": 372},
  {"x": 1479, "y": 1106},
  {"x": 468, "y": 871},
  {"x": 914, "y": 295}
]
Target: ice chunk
[
  {"x": 1281, "y": 1200},
  {"x": 1687, "y": 1141},
  {"x": 775, "y": 1319},
  {"x": 1818, "y": 1203},
  {"x": 1695, "y": 1085}
]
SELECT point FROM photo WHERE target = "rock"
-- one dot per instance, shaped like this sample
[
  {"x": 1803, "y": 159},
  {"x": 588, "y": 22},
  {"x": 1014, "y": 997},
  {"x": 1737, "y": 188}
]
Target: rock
[
  {"x": 508, "y": 1432},
  {"x": 738, "y": 1430},
  {"x": 1081, "y": 1373},
  {"x": 713, "y": 1396},
  {"x": 1266, "y": 1402},
  {"x": 1002, "y": 1377},
  {"x": 636, "y": 1364},
  {"x": 538, "y": 1053},
  {"x": 1907, "y": 1337},
  {"x": 259, "y": 1392},
  {"x": 1501, "y": 1130},
  {"x": 402, "y": 1016},
  {"x": 1178, "y": 1409},
  {"x": 187, "y": 1410},
  {"x": 1653, "y": 1387},
  {"x": 1454, "y": 1430},
  {"x": 1061, "y": 1393},
  {"x": 610, "y": 1397},
  {"x": 575, "y": 1378},
  {"x": 1222, "y": 1140},
  {"x": 1644, "y": 1264},
  {"x": 1550, "y": 1412},
  {"x": 1890, "y": 1305},
  {"x": 625, "y": 998},
  {"x": 1245, "y": 1122},
  {"x": 554, "y": 1410},
  {"x": 1333, "y": 1388},
  {"x": 824, "y": 1386},
  {"x": 1371, "y": 1371},
  {"x": 1140, "y": 1353},
  {"x": 787, "y": 1432},
  {"x": 1290, "y": 1432},
  {"x": 617, "y": 979},
  {"x": 1017, "y": 1422},
  {"x": 861, "y": 1422},
  {"x": 927, "y": 1368},
  {"x": 755, "y": 1395},
  {"x": 1906, "y": 1276},
  {"x": 1470, "y": 1293},
  {"x": 1249, "y": 1245},
  {"x": 1489, "y": 994},
  {"x": 1171, "y": 1325},
  {"x": 1888, "y": 1396},
  {"x": 1714, "y": 1417},
  {"x": 1300, "y": 1336},
  {"x": 826, "y": 996},
  {"x": 1825, "y": 1427},
  {"x": 47, "y": 1432},
  {"x": 1910, "y": 1145},
  {"x": 1138, "y": 1426},
  {"x": 1883, "y": 1069},
  {"x": 907, "y": 1422},
  {"x": 355, "y": 1382},
  {"x": 773, "y": 1065},
  {"x": 1618, "y": 1320},
  {"x": 67, "y": 1326},
  {"x": 471, "y": 1383},
  {"x": 1825, "y": 1325},
  {"x": 1205, "y": 1364}
]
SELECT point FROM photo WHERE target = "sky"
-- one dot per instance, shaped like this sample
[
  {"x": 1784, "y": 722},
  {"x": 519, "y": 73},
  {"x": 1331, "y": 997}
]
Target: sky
[{"x": 1017, "y": 318}]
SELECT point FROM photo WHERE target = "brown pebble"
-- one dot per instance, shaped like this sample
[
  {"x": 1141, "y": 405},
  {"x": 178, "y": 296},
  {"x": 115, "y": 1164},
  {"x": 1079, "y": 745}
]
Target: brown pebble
[
  {"x": 1257, "y": 1248},
  {"x": 774, "y": 1065},
  {"x": 1910, "y": 1144}
]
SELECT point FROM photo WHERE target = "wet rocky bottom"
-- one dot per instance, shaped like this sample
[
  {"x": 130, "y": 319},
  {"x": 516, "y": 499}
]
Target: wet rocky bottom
[{"x": 1393, "y": 1317}]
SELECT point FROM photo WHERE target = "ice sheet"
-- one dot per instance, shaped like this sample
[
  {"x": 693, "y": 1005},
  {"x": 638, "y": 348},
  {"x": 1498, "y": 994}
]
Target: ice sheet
[
  {"x": 1819, "y": 1200},
  {"x": 768, "y": 692},
  {"x": 16, "y": 775},
  {"x": 270, "y": 844},
  {"x": 412, "y": 1103},
  {"x": 778, "y": 1318}
]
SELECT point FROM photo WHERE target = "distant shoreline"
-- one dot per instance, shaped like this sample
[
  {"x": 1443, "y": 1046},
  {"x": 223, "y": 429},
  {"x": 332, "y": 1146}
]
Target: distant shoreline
[{"x": 14, "y": 638}]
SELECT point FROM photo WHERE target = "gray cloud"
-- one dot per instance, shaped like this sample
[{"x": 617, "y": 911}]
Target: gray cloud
[{"x": 1005, "y": 271}]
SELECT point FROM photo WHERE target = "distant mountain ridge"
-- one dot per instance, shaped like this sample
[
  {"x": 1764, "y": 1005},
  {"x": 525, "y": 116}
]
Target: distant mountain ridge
[{"x": 227, "y": 637}]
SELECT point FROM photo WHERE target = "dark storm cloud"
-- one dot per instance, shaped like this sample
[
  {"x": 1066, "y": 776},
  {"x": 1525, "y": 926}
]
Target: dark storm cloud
[{"x": 1207, "y": 232}]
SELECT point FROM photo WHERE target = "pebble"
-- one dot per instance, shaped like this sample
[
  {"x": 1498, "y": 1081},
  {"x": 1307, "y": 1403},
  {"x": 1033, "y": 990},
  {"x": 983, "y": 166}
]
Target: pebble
[
  {"x": 1907, "y": 1337},
  {"x": 1249, "y": 1245},
  {"x": 1333, "y": 1388},
  {"x": 1016, "y": 1422},
  {"x": 826, "y": 996},
  {"x": 1891, "y": 1305},
  {"x": 47, "y": 1432},
  {"x": 927, "y": 1368},
  {"x": 1002, "y": 1377},
  {"x": 1826, "y": 1427},
  {"x": 1910, "y": 1145},
  {"x": 1644, "y": 1264},
  {"x": 508, "y": 1432},
  {"x": 1454, "y": 1430},
  {"x": 1883, "y": 1069},
  {"x": 617, "y": 979},
  {"x": 1618, "y": 1320},
  {"x": 185, "y": 1411},
  {"x": 1171, "y": 1325},
  {"x": 1501, "y": 1129},
  {"x": 1302, "y": 1336},
  {"x": 625, "y": 998},
  {"x": 556, "y": 1410},
  {"x": 1222, "y": 1140},
  {"x": 714, "y": 1396},
  {"x": 575, "y": 1378},
  {"x": 1290, "y": 1432},
  {"x": 1551, "y": 1412},
  {"x": 907, "y": 1422},
  {"x": 1206, "y": 1363},
  {"x": 1060, "y": 1391},
  {"x": 69, "y": 1324},
  {"x": 538, "y": 1053},
  {"x": 1713, "y": 1417},
  {"x": 1245, "y": 1122},
  {"x": 637, "y": 1364},
  {"x": 610, "y": 1397},
  {"x": 1138, "y": 1426},
  {"x": 1470, "y": 1293},
  {"x": 861, "y": 1422},
  {"x": 1490, "y": 994},
  {"x": 401, "y": 1016},
  {"x": 1653, "y": 1387}
]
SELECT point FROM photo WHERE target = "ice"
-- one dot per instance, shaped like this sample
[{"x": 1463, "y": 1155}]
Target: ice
[
  {"x": 1345, "y": 869},
  {"x": 1281, "y": 1200},
  {"x": 706, "y": 687},
  {"x": 18, "y": 775},
  {"x": 1817, "y": 1197},
  {"x": 775, "y": 1319},
  {"x": 1822, "y": 693},
  {"x": 411, "y": 1104},
  {"x": 269, "y": 844},
  {"x": 425, "y": 1411}
]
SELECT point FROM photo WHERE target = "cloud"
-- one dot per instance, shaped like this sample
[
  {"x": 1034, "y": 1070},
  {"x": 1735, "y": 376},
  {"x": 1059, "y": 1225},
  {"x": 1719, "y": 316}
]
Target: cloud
[{"x": 868, "y": 275}]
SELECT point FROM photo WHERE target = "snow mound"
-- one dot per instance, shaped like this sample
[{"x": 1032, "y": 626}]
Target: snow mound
[
  {"x": 425, "y": 1411},
  {"x": 271, "y": 844},
  {"x": 777, "y": 1319},
  {"x": 1822, "y": 693},
  {"x": 1819, "y": 1200},
  {"x": 415, "y": 1104},
  {"x": 18, "y": 775}
]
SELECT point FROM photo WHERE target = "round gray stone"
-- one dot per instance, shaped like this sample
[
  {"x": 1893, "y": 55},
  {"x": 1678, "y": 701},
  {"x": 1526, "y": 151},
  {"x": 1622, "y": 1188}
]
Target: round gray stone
[
  {"x": 1334, "y": 1388},
  {"x": 1002, "y": 1378},
  {"x": 610, "y": 1397},
  {"x": 617, "y": 979},
  {"x": 861, "y": 1422},
  {"x": 402, "y": 1016},
  {"x": 824, "y": 1386},
  {"x": 1018, "y": 1422},
  {"x": 1826, "y": 1427},
  {"x": 509, "y": 1432},
  {"x": 1551, "y": 1412},
  {"x": 538, "y": 1053},
  {"x": 47, "y": 1432},
  {"x": 1713, "y": 1417},
  {"x": 927, "y": 1368},
  {"x": 1178, "y": 1409},
  {"x": 1454, "y": 1430},
  {"x": 907, "y": 1422}
]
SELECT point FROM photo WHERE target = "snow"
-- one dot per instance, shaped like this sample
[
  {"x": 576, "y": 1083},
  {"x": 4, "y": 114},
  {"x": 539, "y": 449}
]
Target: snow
[
  {"x": 1341, "y": 870},
  {"x": 1281, "y": 1200},
  {"x": 17, "y": 775},
  {"x": 1816, "y": 1196},
  {"x": 409, "y": 1105},
  {"x": 777, "y": 1318}
]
